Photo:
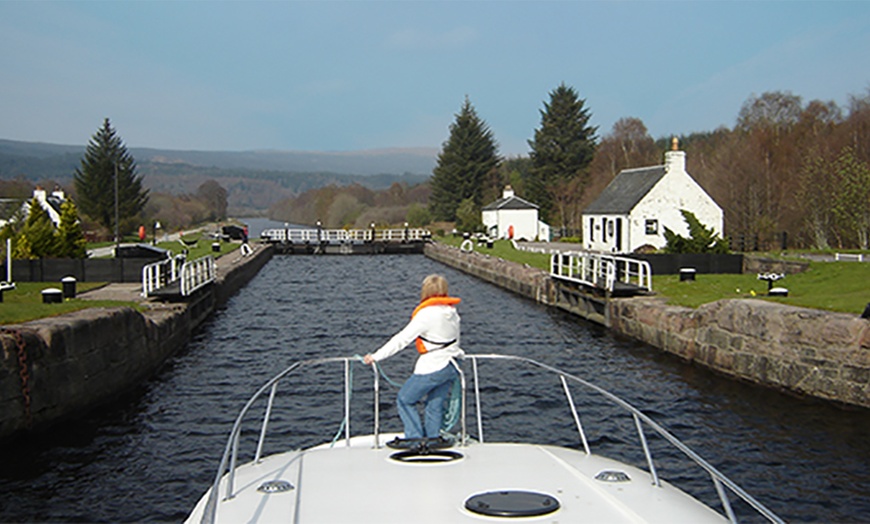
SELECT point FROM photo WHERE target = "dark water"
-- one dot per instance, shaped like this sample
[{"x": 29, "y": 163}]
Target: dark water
[{"x": 150, "y": 455}]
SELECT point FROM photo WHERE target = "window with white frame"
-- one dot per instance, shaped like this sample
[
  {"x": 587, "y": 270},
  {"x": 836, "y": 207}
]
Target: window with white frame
[{"x": 652, "y": 226}]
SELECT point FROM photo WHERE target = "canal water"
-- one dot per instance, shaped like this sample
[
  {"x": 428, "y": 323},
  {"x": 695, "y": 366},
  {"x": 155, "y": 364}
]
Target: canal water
[{"x": 149, "y": 456}]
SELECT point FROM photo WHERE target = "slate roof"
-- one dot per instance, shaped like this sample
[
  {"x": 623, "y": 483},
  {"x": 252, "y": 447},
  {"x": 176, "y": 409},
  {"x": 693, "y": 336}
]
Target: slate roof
[
  {"x": 511, "y": 202},
  {"x": 626, "y": 190}
]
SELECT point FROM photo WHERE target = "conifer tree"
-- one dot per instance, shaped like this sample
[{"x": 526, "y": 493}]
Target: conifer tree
[
  {"x": 70, "y": 237},
  {"x": 701, "y": 239},
  {"x": 21, "y": 248},
  {"x": 106, "y": 156},
  {"x": 562, "y": 150},
  {"x": 38, "y": 231},
  {"x": 465, "y": 160}
]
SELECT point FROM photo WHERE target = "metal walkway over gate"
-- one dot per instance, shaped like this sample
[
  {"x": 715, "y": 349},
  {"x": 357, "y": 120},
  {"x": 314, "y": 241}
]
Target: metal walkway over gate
[
  {"x": 177, "y": 277},
  {"x": 346, "y": 241},
  {"x": 617, "y": 276}
]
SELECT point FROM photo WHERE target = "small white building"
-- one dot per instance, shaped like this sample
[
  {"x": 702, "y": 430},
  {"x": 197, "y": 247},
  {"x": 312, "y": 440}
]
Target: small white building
[
  {"x": 512, "y": 217},
  {"x": 634, "y": 209},
  {"x": 49, "y": 202}
]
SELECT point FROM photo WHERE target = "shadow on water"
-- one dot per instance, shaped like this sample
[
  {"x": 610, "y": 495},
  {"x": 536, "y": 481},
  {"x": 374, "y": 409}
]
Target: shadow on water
[{"x": 151, "y": 454}]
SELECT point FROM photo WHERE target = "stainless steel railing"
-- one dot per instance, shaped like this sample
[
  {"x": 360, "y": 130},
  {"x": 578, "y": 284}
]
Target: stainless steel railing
[
  {"x": 722, "y": 484},
  {"x": 296, "y": 235},
  {"x": 599, "y": 270}
]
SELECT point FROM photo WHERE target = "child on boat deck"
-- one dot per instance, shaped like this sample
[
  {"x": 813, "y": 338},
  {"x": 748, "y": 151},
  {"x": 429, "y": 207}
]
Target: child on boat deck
[{"x": 434, "y": 327}]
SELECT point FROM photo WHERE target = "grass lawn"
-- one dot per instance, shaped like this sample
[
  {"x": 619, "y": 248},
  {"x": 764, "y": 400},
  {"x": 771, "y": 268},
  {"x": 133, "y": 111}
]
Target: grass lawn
[
  {"x": 504, "y": 249},
  {"x": 831, "y": 286},
  {"x": 200, "y": 249},
  {"x": 25, "y": 302}
]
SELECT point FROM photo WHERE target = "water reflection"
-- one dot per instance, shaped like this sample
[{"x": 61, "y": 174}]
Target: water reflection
[{"x": 155, "y": 451}]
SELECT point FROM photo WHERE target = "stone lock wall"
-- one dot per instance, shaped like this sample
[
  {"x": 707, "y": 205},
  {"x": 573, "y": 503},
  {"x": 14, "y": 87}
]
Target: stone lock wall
[
  {"x": 79, "y": 360},
  {"x": 804, "y": 351}
]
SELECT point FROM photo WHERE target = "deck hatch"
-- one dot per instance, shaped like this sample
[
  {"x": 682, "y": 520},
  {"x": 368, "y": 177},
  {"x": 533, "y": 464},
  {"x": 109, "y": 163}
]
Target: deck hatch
[
  {"x": 512, "y": 503},
  {"x": 429, "y": 457}
]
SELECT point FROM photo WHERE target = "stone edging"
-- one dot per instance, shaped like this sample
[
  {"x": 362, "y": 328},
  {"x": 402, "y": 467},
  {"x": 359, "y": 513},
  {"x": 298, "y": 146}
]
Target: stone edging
[{"x": 804, "y": 351}]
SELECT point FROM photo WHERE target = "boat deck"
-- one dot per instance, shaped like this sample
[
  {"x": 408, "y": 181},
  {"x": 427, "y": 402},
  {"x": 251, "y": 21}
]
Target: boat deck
[{"x": 363, "y": 484}]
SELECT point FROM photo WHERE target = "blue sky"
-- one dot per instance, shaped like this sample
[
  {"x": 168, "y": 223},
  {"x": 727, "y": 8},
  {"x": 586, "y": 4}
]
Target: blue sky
[{"x": 343, "y": 76}]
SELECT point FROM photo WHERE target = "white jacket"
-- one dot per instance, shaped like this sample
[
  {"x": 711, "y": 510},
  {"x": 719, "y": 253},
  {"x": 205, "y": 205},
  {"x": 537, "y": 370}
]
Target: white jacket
[{"x": 433, "y": 323}]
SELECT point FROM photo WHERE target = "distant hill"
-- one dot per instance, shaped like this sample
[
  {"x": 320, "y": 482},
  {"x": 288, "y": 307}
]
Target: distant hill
[{"x": 254, "y": 179}]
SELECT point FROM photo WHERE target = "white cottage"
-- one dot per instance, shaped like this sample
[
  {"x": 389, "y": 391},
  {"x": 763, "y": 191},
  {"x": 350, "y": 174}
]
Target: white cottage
[
  {"x": 635, "y": 208},
  {"x": 512, "y": 217},
  {"x": 51, "y": 203}
]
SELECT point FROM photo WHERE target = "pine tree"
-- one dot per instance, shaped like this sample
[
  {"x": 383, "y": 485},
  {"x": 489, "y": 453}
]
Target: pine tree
[
  {"x": 105, "y": 158},
  {"x": 38, "y": 230},
  {"x": 465, "y": 160},
  {"x": 701, "y": 239},
  {"x": 562, "y": 150},
  {"x": 70, "y": 237},
  {"x": 21, "y": 248}
]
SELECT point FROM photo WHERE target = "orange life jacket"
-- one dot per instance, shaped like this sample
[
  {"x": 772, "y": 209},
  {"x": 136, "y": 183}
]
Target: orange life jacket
[{"x": 433, "y": 301}]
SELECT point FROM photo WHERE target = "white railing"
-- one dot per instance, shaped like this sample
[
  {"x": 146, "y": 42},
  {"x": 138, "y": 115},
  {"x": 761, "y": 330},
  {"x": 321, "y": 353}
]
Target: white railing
[
  {"x": 848, "y": 257},
  {"x": 161, "y": 274},
  {"x": 621, "y": 414},
  {"x": 600, "y": 271},
  {"x": 196, "y": 274},
  {"x": 337, "y": 236}
]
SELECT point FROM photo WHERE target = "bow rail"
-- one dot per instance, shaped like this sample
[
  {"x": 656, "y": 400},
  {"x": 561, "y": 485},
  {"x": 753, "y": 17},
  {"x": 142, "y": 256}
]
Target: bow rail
[{"x": 722, "y": 484}]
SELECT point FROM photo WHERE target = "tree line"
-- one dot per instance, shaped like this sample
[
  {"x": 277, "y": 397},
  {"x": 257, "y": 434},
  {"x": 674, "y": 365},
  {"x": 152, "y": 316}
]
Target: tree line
[{"x": 788, "y": 173}]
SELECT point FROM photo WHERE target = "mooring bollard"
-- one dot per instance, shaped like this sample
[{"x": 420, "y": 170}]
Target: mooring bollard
[
  {"x": 69, "y": 287},
  {"x": 687, "y": 274},
  {"x": 216, "y": 247},
  {"x": 52, "y": 296}
]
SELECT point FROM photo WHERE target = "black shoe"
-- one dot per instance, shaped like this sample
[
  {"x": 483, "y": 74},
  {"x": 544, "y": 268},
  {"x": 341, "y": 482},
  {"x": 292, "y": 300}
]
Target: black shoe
[
  {"x": 406, "y": 443},
  {"x": 438, "y": 443}
]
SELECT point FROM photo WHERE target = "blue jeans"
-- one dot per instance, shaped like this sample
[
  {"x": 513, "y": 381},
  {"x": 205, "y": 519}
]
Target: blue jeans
[{"x": 436, "y": 388}]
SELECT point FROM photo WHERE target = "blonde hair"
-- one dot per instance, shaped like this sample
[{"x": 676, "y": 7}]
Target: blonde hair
[{"x": 433, "y": 286}]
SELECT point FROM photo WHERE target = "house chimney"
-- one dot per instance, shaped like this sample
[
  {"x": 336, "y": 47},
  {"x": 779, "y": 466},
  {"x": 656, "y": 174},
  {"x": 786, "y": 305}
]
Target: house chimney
[
  {"x": 39, "y": 194},
  {"x": 508, "y": 192},
  {"x": 675, "y": 160},
  {"x": 58, "y": 193}
]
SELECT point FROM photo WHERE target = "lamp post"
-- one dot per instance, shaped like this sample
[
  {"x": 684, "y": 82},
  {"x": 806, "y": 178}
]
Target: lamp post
[
  {"x": 156, "y": 227},
  {"x": 117, "y": 237}
]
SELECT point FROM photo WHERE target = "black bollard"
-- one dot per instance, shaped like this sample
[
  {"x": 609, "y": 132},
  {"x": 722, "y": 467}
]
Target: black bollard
[
  {"x": 687, "y": 274},
  {"x": 52, "y": 296},
  {"x": 69, "y": 287}
]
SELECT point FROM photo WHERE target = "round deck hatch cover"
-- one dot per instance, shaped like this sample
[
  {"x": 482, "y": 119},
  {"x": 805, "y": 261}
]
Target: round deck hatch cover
[{"x": 512, "y": 503}]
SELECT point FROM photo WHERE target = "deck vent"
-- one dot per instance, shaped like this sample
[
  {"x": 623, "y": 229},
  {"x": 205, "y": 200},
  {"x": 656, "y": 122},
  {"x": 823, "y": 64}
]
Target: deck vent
[
  {"x": 610, "y": 475},
  {"x": 275, "y": 486},
  {"x": 512, "y": 504},
  {"x": 430, "y": 457}
]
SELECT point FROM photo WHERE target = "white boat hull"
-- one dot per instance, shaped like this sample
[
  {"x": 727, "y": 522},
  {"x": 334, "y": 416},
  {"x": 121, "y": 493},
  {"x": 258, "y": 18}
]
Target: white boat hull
[{"x": 361, "y": 483}]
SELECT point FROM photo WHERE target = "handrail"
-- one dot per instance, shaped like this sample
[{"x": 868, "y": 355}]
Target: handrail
[
  {"x": 335, "y": 236},
  {"x": 196, "y": 274},
  {"x": 161, "y": 273},
  {"x": 600, "y": 270},
  {"x": 230, "y": 455}
]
